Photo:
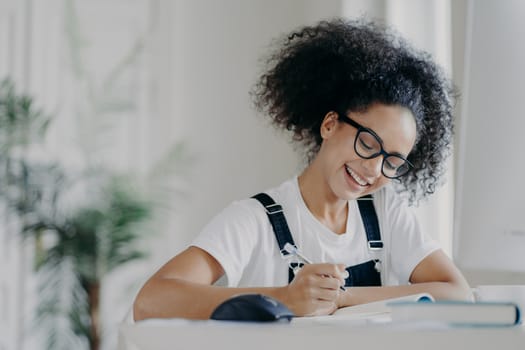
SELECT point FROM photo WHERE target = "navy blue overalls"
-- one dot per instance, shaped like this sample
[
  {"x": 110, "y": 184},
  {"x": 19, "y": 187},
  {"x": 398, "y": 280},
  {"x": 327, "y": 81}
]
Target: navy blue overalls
[{"x": 364, "y": 274}]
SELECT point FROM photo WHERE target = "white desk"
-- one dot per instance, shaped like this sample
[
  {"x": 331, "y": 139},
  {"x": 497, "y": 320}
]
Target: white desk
[{"x": 179, "y": 334}]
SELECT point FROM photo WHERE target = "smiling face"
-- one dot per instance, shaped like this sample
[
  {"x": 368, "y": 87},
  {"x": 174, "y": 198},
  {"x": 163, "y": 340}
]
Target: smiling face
[{"x": 347, "y": 175}]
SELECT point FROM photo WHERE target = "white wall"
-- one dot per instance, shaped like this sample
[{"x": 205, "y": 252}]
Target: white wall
[{"x": 216, "y": 47}]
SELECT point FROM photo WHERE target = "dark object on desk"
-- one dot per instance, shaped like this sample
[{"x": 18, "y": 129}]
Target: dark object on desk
[{"x": 252, "y": 307}]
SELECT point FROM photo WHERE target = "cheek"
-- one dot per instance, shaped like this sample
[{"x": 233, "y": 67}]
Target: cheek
[{"x": 338, "y": 149}]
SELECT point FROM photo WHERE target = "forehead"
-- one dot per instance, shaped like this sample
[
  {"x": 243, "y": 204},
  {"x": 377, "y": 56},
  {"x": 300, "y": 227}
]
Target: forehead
[{"x": 394, "y": 124}]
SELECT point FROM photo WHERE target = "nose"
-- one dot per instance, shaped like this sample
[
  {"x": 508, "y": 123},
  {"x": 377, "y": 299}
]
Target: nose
[{"x": 373, "y": 166}]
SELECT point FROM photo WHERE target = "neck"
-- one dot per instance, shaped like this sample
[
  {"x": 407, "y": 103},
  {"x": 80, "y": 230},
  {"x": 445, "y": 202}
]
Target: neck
[{"x": 321, "y": 201}]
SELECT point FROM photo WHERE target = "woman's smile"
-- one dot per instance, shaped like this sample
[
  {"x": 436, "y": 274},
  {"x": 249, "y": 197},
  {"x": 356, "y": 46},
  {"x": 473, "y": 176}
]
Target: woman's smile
[{"x": 352, "y": 175}]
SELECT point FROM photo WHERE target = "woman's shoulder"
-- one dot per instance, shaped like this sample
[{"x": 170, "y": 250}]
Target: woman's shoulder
[{"x": 251, "y": 207}]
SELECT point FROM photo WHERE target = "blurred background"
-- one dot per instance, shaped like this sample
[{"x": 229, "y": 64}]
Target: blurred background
[{"x": 125, "y": 125}]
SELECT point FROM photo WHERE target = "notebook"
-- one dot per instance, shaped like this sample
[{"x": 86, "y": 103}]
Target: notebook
[
  {"x": 374, "y": 312},
  {"x": 381, "y": 306}
]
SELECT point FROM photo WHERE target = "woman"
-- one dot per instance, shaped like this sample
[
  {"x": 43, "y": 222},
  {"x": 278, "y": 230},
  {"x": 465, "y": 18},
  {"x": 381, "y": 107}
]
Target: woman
[{"x": 373, "y": 115}]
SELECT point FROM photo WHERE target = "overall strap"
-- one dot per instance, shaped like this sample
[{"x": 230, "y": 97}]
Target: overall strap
[
  {"x": 367, "y": 273},
  {"x": 369, "y": 217},
  {"x": 277, "y": 219},
  {"x": 280, "y": 228}
]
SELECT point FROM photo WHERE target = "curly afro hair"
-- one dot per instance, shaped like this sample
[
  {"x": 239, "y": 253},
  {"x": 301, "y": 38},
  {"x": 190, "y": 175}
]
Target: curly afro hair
[{"x": 343, "y": 65}]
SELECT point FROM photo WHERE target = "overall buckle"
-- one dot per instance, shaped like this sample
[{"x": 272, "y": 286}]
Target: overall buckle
[
  {"x": 375, "y": 245},
  {"x": 273, "y": 209}
]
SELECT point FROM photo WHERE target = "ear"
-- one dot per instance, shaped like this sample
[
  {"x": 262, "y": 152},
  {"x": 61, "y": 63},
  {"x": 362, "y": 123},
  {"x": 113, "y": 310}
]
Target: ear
[{"x": 329, "y": 124}]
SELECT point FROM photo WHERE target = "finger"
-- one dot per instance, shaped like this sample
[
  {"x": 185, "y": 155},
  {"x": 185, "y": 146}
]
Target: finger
[
  {"x": 327, "y": 294},
  {"x": 334, "y": 270},
  {"x": 324, "y": 288},
  {"x": 329, "y": 282},
  {"x": 343, "y": 274},
  {"x": 342, "y": 270},
  {"x": 325, "y": 268},
  {"x": 340, "y": 273},
  {"x": 317, "y": 287},
  {"x": 325, "y": 271}
]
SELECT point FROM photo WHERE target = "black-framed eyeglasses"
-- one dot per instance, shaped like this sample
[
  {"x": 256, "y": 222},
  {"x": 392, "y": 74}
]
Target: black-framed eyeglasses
[{"x": 368, "y": 145}]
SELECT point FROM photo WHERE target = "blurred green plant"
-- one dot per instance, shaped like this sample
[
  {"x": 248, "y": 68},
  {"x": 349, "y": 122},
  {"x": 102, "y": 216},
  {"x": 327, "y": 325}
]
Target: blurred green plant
[
  {"x": 76, "y": 245},
  {"x": 21, "y": 125},
  {"x": 91, "y": 242}
]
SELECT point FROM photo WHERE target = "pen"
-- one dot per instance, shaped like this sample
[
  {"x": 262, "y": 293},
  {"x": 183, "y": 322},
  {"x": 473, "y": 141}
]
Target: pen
[{"x": 291, "y": 249}]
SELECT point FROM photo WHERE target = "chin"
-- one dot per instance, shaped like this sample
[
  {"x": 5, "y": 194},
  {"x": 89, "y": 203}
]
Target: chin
[{"x": 349, "y": 195}]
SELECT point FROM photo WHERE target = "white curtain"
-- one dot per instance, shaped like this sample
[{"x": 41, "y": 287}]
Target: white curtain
[{"x": 15, "y": 260}]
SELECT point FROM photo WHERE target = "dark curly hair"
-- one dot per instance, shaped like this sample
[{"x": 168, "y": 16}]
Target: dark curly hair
[{"x": 344, "y": 65}]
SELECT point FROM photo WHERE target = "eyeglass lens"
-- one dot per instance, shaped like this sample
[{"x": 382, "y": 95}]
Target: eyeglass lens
[{"x": 368, "y": 146}]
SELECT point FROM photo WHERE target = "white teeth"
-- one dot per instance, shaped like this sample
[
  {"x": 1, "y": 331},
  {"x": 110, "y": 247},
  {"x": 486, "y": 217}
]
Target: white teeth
[{"x": 356, "y": 177}]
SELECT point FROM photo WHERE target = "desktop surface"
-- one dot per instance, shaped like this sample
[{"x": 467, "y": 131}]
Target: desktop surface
[{"x": 184, "y": 334}]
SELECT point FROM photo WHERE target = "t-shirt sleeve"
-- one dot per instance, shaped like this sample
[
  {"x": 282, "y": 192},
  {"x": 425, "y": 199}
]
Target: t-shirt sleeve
[
  {"x": 409, "y": 244},
  {"x": 230, "y": 237}
]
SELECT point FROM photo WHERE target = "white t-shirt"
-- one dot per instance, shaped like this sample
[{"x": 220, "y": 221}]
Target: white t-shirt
[{"x": 242, "y": 239}]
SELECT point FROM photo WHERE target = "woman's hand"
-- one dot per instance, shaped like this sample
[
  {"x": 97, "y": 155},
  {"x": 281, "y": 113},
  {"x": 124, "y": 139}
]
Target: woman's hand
[{"x": 315, "y": 290}]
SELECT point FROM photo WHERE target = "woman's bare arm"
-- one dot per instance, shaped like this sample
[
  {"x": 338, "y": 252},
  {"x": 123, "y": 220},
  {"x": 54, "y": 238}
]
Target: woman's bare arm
[
  {"x": 435, "y": 274},
  {"x": 183, "y": 288}
]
